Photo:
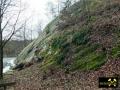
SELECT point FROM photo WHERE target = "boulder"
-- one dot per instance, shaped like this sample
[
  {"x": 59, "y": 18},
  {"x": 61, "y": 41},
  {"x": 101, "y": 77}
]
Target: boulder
[{"x": 19, "y": 66}]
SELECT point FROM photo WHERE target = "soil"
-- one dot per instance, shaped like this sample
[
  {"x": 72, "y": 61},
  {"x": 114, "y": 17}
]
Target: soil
[{"x": 33, "y": 78}]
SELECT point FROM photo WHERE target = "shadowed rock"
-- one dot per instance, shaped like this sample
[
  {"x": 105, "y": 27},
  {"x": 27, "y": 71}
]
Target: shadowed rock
[{"x": 19, "y": 66}]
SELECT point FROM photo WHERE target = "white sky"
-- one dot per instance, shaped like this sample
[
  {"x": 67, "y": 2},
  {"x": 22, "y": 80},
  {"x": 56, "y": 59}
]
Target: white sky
[{"x": 37, "y": 10}]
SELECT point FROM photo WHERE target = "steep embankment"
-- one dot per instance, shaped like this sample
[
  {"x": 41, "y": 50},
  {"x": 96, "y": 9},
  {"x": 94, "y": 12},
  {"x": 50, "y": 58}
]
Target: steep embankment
[{"x": 84, "y": 38}]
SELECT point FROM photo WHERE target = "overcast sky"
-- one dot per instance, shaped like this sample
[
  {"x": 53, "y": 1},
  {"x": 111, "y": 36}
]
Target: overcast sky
[{"x": 37, "y": 10}]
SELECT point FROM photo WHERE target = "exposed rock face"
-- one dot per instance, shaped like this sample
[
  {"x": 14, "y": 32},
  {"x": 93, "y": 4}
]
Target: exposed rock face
[{"x": 28, "y": 64}]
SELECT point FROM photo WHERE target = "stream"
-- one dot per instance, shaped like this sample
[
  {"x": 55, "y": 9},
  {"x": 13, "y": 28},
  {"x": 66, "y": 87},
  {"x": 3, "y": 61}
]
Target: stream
[{"x": 8, "y": 63}]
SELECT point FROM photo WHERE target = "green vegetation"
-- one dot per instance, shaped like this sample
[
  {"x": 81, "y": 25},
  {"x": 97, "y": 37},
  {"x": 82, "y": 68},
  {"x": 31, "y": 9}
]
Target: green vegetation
[
  {"x": 57, "y": 42},
  {"x": 85, "y": 51},
  {"x": 81, "y": 37},
  {"x": 61, "y": 56},
  {"x": 116, "y": 51},
  {"x": 88, "y": 59},
  {"x": 81, "y": 41}
]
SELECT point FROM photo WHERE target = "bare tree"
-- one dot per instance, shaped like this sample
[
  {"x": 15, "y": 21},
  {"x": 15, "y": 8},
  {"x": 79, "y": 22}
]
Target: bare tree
[
  {"x": 39, "y": 27},
  {"x": 52, "y": 9},
  {"x": 24, "y": 33},
  {"x": 8, "y": 24}
]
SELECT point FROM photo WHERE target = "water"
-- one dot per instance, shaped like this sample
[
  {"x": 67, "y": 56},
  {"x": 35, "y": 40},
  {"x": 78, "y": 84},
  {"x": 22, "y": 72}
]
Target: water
[{"x": 8, "y": 63}]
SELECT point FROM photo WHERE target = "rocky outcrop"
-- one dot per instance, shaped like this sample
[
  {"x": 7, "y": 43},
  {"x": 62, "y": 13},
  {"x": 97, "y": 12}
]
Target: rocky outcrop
[{"x": 24, "y": 65}]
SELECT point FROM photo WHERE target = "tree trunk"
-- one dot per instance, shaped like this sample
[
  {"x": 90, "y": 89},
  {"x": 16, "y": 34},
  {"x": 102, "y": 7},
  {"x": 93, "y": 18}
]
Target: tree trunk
[
  {"x": 1, "y": 55},
  {"x": 1, "y": 62},
  {"x": 1, "y": 47}
]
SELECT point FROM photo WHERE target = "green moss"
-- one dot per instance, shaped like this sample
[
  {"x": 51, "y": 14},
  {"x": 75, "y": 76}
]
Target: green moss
[
  {"x": 116, "y": 51},
  {"x": 43, "y": 53},
  {"x": 92, "y": 18},
  {"x": 46, "y": 65},
  {"x": 85, "y": 51},
  {"x": 86, "y": 58},
  {"x": 95, "y": 63},
  {"x": 89, "y": 62},
  {"x": 58, "y": 42},
  {"x": 79, "y": 48}
]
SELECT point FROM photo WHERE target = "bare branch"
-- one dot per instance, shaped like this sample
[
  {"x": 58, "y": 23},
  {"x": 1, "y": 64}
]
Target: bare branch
[
  {"x": 14, "y": 29},
  {"x": 14, "y": 32},
  {"x": 6, "y": 24},
  {"x": 4, "y": 7}
]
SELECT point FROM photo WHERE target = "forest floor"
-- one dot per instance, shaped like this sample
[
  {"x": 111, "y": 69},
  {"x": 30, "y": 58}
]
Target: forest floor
[{"x": 33, "y": 79}]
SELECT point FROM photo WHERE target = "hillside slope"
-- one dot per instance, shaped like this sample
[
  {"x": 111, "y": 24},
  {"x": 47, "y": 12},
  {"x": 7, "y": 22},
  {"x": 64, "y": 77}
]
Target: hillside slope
[
  {"x": 80, "y": 38},
  {"x": 80, "y": 45}
]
